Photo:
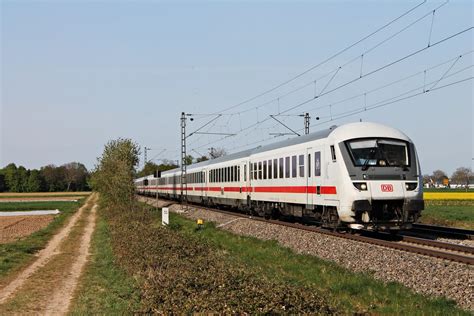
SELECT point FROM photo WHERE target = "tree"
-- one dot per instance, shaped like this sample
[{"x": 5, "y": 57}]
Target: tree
[
  {"x": 462, "y": 176},
  {"x": 216, "y": 152},
  {"x": 54, "y": 178},
  {"x": 427, "y": 180},
  {"x": 438, "y": 176},
  {"x": 34, "y": 183},
  {"x": 12, "y": 180},
  {"x": 167, "y": 165},
  {"x": 149, "y": 168},
  {"x": 114, "y": 173},
  {"x": 22, "y": 175},
  {"x": 75, "y": 176},
  {"x": 203, "y": 158},
  {"x": 3, "y": 185},
  {"x": 188, "y": 160}
]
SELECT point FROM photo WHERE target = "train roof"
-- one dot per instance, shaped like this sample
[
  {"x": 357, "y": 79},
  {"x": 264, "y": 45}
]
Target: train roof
[
  {"x": 241, "y": 154},
  {"x": 346, "y": 131}
]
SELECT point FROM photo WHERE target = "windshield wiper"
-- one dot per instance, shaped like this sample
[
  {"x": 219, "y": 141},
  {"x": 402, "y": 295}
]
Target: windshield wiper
[{"x": 365, "y": 166}]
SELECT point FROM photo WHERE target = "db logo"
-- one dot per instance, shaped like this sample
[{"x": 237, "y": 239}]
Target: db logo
[{"x": 386, "y": 187}]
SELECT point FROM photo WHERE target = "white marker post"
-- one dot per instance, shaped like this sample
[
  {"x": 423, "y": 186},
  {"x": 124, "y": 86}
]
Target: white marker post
[{"x": 165, "y": 216}]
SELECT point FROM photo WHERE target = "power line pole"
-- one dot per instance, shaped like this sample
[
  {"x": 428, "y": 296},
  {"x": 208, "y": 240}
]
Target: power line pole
[
  {"x": 145, "y": 152},
  {"x": 306, "y": 123},
  {"x": 184, "y": 190}
]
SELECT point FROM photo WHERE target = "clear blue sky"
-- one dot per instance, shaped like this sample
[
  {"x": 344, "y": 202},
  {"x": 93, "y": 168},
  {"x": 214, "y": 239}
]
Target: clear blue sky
[{"x": 75, "y": 74}]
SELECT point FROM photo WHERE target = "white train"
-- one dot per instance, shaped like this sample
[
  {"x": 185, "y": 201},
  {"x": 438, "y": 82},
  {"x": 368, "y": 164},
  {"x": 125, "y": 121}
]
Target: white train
[{"x": 359, "y": 175}]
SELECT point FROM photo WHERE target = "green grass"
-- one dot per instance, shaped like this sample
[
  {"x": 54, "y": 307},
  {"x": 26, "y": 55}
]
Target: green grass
[
  {"x": 16, "y": 254},
  {"x": 457, "y": 190},
  {"x": 105, "y": 288},
  {"x": 27, "y": 206},
  {"x": 447, "y": 214},
  {"x": 349, "y": 292}
]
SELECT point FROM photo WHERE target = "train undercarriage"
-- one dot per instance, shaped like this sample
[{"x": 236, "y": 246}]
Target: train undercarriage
[{"x": 381, "y": 215}]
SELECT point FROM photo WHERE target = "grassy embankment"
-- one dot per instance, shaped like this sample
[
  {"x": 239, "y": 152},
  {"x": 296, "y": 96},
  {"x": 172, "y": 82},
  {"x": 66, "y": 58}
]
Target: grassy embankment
[
  {"x": 183, "y": 269},
  {"x": 15, "y": 255},
  {"x": 453, "y": 208}
]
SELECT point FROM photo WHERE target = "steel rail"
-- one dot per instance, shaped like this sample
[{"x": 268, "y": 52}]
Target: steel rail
[{"x": 445, "y": 231}]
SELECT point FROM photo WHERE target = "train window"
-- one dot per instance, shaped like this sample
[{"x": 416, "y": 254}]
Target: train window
[
  {"x": 287, "y": 167},
  {"x": 245, "y": 172},
  {"x": 260, "y": 170},
  {"x": 309, "y": 165},
  {"x": 255, "y": 171},
  {"x": 294, "y": 166},
  {"x": 333, "y": 153},
  {"x": 301, "y": 163},
  {"x": 238, "y": 174},
  {"x": 228, "y": 173},
  {"x": 265, "y": 170},
  {"x": 317, "y": 164},
  {"x": 275, "y": 168},
  {"x": 280, "y": 168},
  {"x": 234, "y": 173},
  {"x": 270, "y": 171}
]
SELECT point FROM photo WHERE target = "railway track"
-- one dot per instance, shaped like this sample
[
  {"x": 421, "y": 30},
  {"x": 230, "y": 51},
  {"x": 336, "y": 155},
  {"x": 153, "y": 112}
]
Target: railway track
[
  {"x": 427, "y": 247},
  {"x": 442, "y": 231}
]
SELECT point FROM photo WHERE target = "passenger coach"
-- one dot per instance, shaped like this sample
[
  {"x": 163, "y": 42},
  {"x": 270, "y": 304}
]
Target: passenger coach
[{"x": 359, "y": 175}]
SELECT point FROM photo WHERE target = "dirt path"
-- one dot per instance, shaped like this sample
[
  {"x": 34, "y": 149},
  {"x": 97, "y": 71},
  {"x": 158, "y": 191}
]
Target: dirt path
[{"x": 47, "y": 285}]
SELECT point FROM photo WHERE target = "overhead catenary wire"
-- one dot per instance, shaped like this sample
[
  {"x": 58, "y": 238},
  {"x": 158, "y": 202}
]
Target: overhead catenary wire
[
  {"x": 385, "y": 102},
  {"x": 260, "y": 121},
  {"x": 324, "y": 61},
  {"x": 359, "y": 56}
]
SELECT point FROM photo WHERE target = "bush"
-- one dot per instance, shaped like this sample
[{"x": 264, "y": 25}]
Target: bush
[{"x": 182, "y": 273}]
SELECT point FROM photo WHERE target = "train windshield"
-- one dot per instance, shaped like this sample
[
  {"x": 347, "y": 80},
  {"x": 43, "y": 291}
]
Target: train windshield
[{"x": 379, "y": 152}]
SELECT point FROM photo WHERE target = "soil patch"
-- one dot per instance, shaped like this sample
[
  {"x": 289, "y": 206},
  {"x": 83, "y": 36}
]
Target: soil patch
[{"x": 15, "y": 227}]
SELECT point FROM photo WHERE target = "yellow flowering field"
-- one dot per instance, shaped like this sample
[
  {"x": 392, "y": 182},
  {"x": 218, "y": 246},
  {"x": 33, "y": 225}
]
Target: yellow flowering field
[{"x": 448, "y": 195}]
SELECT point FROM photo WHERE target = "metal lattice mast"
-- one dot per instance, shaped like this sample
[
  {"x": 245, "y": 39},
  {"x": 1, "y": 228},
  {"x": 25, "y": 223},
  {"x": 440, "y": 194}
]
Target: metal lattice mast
[
  {"x": 184, "y": 190},
  {"x": 145, "y": 152},
  {"x": 306, "y": 123}
]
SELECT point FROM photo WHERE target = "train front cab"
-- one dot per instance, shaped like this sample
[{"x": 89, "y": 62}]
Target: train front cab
[{"x": 384, "y": 190}]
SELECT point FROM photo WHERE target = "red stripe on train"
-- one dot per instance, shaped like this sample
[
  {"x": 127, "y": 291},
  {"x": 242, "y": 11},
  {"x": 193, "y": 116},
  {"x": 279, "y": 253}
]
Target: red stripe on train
[{"x": 280, "y": 189}]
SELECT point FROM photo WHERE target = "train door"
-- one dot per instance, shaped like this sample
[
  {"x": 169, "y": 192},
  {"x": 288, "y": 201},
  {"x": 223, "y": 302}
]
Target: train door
[
  {"x": 309, "y": 178},
  {"x": 247, "y": 181},
  {"x": 204, "y": 183},
  {"x": 243, "y": 179},
  {"x": 316, "y": 172}
]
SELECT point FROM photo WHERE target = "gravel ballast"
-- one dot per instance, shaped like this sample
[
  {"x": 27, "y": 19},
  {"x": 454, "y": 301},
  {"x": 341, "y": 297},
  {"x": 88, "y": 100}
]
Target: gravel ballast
[{"x": 425, "y": 275}]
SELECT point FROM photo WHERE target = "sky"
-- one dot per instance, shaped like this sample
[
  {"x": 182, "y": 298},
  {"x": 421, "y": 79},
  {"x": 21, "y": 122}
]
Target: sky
[{"x": 76, "y": 74}]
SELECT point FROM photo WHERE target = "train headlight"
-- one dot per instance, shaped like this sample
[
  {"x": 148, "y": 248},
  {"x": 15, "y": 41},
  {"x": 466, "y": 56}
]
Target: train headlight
[
  {"x": 362, "y": 186},
  {"x": 410, "y": 186}
]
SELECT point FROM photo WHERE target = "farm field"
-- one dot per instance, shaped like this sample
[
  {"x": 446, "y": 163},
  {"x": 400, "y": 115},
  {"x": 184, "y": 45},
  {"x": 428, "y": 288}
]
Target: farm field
[
  {"x": 43, "y": 194},
  {"x": 16, "y": 227},
  {"x": 452, "y": 195},
  {"x": 220, "y": 271},
  {"x": 7, "y": 197},
  {"x": 453, "y": 213},
  {"x": 47, "y": 285},
  {"x": 15, "y": 254}
]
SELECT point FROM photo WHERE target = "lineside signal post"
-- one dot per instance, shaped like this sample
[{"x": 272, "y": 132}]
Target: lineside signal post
[{"x": 165, "y": 216}]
